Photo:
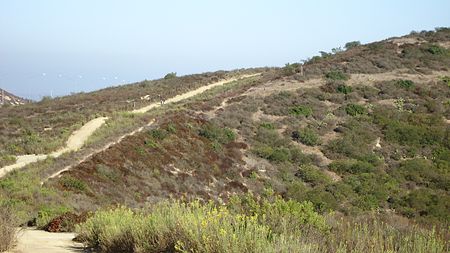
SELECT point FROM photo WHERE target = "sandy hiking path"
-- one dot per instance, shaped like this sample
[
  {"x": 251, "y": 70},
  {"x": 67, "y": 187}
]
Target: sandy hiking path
[
  {"x": 80, "y": 136},
  {"x": 146, "y": 109},
  {"x": 31, "y": 240},
  {"x": 75, "y": 142}
]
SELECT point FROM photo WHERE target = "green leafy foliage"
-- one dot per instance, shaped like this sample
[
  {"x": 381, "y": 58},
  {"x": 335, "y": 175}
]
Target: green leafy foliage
[
  {"x": 344, "y": 89},
  {"x": 306, "y": 136},
  {"x": 436, "y": 50},
  {"x": 405, "y": 84},
  {"x": 170, "y": 75},
  {"x": 355, "y": 110},
  {"x": 352, "y": 44},
  {"x": 73, "y": 184},
  {"x": 337, "y": 75},
  {"x": 290, "y": 69},
  {"x": 313, "y": 175},
  {"x": 215, "y": 133},
  {"x": 301, "y": 110}
]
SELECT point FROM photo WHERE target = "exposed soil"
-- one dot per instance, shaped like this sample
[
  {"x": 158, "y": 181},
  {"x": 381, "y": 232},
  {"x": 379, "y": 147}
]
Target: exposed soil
[{"x": 37, "y": 241}]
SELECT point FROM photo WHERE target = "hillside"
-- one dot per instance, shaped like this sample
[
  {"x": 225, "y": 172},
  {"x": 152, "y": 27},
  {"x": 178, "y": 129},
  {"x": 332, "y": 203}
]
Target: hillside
[
  {"x": 362, "y": 134},
  {"x": 8, "y": 99}
]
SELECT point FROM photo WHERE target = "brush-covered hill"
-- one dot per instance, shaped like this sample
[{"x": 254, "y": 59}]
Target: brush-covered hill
[
  {"x": 363, "y": 131},
  {"x": 9, "y": 99}
]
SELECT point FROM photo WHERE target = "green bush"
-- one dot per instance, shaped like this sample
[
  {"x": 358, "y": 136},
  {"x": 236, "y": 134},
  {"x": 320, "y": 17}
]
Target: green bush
[
  {"x": 106, "y": 172},
  {"x": 351, "y": 166},
  {"x": 170, "y": 75},
  {"x": 337, "y": 75},
  {"x": 159, "y": 134},
  {"x": 313, "y": 175},
  {"x": 306, "y": 136},
  {"x": 267, "y": 125},
  {"x": 352, "y": 44},
  {"x": 446, "y": 80},
  {"x": 214, "y": 133},
  {"x": 355, "y": 110},
  {"x": 405, "y": 84},
  {"x": 436, "y": 50},
  {"x": 47, "y": 213},
  {"x": 290, "y": 69},
  {"x": 277, "y": 154},
  {"x": 344, "y": 89},
  {"x": 301, "y": 110},
  {"x": 424, "y": 203},
  {"x": 73, "y": 184},
  {"x": 249, "y": 225},
  {"x": 193, "y": 227}
]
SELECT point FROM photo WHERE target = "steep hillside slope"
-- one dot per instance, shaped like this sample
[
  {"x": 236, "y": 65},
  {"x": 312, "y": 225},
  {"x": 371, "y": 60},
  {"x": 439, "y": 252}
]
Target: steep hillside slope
[
  {"x": 361, "y": 131},
  {"x": 342, "y": 137},
  {"x": 45, "y": 126}
]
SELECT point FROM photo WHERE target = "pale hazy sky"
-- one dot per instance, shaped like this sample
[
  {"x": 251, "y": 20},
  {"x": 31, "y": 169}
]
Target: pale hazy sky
[{"x": 83, "y": 45}]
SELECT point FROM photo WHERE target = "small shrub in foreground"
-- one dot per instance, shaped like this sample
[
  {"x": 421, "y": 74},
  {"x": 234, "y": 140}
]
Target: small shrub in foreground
[{"x": 248, "y": 224}]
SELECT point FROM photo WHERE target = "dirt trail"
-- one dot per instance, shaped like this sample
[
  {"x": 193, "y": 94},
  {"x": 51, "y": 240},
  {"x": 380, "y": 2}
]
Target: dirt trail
[
  {"x": 143, "y": 110},
  {"x": 192, "y": 93},
  {"x": 75, "y": 142},
  {"x": 79, "y": 137},
  {"x": 37, "y": 241},
  {"x": 272, "y": 87}
]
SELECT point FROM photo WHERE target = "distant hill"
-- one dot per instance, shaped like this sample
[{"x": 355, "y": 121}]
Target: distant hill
[{"x": 7, "y": 98}]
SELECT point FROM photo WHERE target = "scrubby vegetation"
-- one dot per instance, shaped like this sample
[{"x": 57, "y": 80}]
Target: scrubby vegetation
[
  {"x": 361, "y": 161},
  {"x": 247, "y": 225},
  {"x": 7, "y": 229}
]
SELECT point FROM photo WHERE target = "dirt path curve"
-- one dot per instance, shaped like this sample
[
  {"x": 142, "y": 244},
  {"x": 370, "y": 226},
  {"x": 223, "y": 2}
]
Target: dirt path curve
[
  {"x": 75, "y": 142},
  {"x": 37, "y": 241},
  {"x": 79, "y": 137},
  {"x": 192, "y": 93},
  {"x": 146, "y": 109}
]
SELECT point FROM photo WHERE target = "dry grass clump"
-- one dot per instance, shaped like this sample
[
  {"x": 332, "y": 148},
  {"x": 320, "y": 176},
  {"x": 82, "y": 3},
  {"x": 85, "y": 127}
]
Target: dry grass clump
[{"x": 7, "y": 229}]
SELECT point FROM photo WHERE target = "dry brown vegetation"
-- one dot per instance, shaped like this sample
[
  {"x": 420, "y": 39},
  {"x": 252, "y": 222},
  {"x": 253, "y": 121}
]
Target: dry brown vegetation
[{"x": 7, "y": 229}]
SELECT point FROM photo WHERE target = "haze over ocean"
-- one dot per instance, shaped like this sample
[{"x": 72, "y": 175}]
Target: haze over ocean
[{"x": 60, "y": 47}]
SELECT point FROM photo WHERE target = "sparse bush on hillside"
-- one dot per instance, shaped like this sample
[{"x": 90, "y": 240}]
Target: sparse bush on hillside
[
  {"x": 406, "y": 84},
  {"x": 267, "y": 125},
  {"x": 312, "y": 175},
  {"x": 355, "y": 110},
  {"x": 290, "y": 69},
  {"x": 446, "y": 80},
  {"x": 344, "y": 89},
  {"x": 437, "y": 50},
  {"x": 215, "y": 133},
  {"x": 301, "y": 110},
  {"x": 337, "y": 75},
  {"x": 352, "y": 44},
  {"x": 170, "y": 75},
  {"x": 352, "y": 166},
  {"x": 73, "y": 184},
  {"x": 277, "y": 154},
  {"x": 306, "y": 136}
]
